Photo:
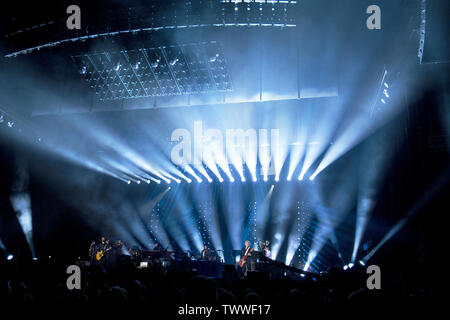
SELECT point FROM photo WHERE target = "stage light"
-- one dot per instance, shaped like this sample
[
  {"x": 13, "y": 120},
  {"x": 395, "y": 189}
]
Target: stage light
[
  {"x": 178, "y": 181},
  {"x": 382, "y": 100},
  {"x": 345, "y": 267},
  {"x": 169, "y": 188},
  {"x": 221, "y": 180},
  {"x": 232, "y": 180},
  {"x": 128, "y": 182},
  {"x": 277, "y": 178},
  {"x": 35, "y": 259},
  {"x": 385, "y": 93},
  {"x": 192, "y": 173},
  {"x": 265, "y": 178},
  {"x": 350, "y": 265},
  {"x": 168, "y": 181},
  {"x": 118, "y": 66},
  {"x": 312, "y": 177},
  {"x": 242, "y": 179},
  {"x": 148, "y": 181},
  {"x": 199, "y": 180},
  {"x": 10, "y": 124},
  {"x": 288, "y": 178},
  {"x": 255, "y": 179},
  {"x": 189, "y": 180},
  {"x": 158, "y": 181},
  {"x": 362, "y": 263},
  {"x": 139, "y": 182},
  {"x": 386, "y": 85},
  {"x": 10, "y": 257},
  {"x": 209, "y": 180}
]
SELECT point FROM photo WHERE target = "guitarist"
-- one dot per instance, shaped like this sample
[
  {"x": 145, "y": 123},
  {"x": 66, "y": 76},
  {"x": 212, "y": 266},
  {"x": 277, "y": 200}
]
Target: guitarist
[
  {"x": 246, "y": 252},
  {"x": 102, "y": 248}
]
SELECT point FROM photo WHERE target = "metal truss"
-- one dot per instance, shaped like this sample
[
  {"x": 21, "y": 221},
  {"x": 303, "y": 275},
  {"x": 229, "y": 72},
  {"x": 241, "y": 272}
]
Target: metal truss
[{"x": 162, "y": 71}]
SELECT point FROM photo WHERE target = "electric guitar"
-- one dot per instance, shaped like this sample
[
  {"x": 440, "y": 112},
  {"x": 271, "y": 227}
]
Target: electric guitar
[
  {"x": 100, "y": 254},
  {"x": 244, "y": 258}
]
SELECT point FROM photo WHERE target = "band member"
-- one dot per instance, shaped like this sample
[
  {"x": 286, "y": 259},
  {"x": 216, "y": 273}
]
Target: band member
[
  {"x": 114, "y": 254},
  {"x": 101, "y": 251},
  {"x": 92, "y": 251},
  {"x": 246, "y": 253},
  {"x": 119, "y": 246},
  {"x": 267, "y": 252},
  {"x": 206, "y": 253}
]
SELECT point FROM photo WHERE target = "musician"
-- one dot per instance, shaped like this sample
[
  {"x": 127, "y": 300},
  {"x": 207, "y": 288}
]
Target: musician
[
  {"x": 103, "y": 246},
  {"x": 267, "y": 252},
  {"x": 206, "y": 253},
  {"x": 113, "y": 254},
  {"x": 119, "y": 246},
  {"x": 246, "y": 253},
  {"x": 92, "y": 251}
]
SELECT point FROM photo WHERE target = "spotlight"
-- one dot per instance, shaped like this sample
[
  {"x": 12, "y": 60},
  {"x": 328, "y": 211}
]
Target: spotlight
[
  {"x": 277, "y": 178},
  {"x": 139, "y": 182},
  {"x": 243, "y": 179},
  {"x": 10, "y": 124},
  {"x": 189, "y": 180},
  {"x": 255, "y": 179},
  {"x": 199, "y": 180},
  {"x": 288, "y": 179},
  {"x": 148, "y": 181},
  {"x": 209, "y": 180},
  {"x": 168, "y": 181},
  {"x": 265, "y": 178},
  {"x": 382, "y": 100},
  {"x": 221, "y": 180},
  {"x": 232, "y": 180},
  {"x": 386, "y": 93},
  {"x": 169, "y": 188},
  {"x": 178, "y": 181},
  {"x": 158, "y": 181},
  {"x": 312, "y": 178},
  {"x": 128, "y": 181},
  {"x": 9, "y": 257},
  {"x": 2, "y": 119},
  {"x": 118, "y": 66},
  {"x": 35, "y": 259},
  {"x": 386, "y": 85},
  {"x": 350, "y": 265},
  {"x": 345, "y": 267},
  {"x": 155, "y": 64},
  {"x": 362, "y": 263},
  {"x": 300, "y": 178}
]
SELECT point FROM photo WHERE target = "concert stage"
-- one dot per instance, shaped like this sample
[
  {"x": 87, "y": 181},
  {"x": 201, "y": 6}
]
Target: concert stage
[{"x": 264, "y": 151}]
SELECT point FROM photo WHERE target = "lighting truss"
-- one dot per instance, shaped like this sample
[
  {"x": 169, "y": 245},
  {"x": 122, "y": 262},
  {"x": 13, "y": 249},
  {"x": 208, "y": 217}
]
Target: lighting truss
[
  {"x": 162, "y": 71},
  {"x": 161, "y": 15}
]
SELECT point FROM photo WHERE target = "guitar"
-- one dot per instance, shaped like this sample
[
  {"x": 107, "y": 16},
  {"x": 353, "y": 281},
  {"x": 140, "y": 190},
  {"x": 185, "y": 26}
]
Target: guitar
[
  {"x": 243, "y": 260},
  {"x": 100, "y": 254}
]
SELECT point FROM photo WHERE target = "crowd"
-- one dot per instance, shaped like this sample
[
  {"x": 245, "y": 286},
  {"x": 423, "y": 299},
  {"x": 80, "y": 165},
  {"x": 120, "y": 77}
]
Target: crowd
[{"x": 45, "y": 282}]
